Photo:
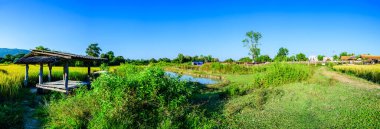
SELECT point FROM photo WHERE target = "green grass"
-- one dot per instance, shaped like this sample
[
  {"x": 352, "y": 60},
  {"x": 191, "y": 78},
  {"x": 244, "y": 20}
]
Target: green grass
[
  {"x": 318, "y": 103},
  {"x": 129, "y": 98}
]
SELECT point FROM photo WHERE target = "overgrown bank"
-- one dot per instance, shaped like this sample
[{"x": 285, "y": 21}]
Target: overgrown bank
[{"x": 131, "y": 97}]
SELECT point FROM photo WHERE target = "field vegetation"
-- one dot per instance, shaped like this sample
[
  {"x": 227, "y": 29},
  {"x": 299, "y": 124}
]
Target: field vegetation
[
  {"x": 131, "y": 97},
  {"x": 369, "y": 72},
  {"x": 13, "y": 95}
]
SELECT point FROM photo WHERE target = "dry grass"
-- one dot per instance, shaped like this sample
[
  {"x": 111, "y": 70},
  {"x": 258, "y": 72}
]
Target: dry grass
[{"x": 369, "y": 72}]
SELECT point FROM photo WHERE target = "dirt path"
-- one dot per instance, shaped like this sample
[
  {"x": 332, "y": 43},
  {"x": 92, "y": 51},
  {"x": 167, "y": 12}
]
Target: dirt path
[{"x": 357, "y": 82}]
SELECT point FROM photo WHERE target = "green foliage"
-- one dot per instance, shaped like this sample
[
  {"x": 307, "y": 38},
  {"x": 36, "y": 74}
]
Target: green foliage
[
  {"x": 263, "y": 58},
  {"x": 282, "y": 54},
  {"x": 245, "y": 59},
  {"x": 11, "y": 58},
  {"x": 229, "y": 60},
  {"x": 320, "y": 57},
  {"x": 11, "y": 115},
  {"x": 252, "y": 42},
  {"x": 273, "y": 75},
  {"x": 42, "y": 48},
  {"x": 133, "y": 97},
  {"x": 104, "y": 67},
  {"x": 336, "y": 57},
  {"x": 219, "y": 68},
  {"x": 301, "y": 57},
  {"x": 93, "y": 50}
]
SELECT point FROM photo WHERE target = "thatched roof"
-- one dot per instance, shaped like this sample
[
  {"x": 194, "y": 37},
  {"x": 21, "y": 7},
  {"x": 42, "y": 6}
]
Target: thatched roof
[
  {"x": 40, "y": 56},
  {"x": 371, "y": 57},
  {"x": 348, "y": 58}
]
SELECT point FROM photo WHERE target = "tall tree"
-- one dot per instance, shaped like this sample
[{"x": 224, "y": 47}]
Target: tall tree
[
  {"x": 93, "y": 50},
  {"x": 282, "y": 54},
  {"x": 180, "y": 58},
  {"x": 320, "y": 57},
  {"x": 301, "y": 57},
  {"x": 42, "y": 48},
  {"x": 252, "y": 42}
]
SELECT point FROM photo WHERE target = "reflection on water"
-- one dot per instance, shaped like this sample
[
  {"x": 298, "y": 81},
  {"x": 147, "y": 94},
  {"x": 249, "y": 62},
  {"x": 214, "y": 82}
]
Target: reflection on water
[{"x": 192, "y": 79}]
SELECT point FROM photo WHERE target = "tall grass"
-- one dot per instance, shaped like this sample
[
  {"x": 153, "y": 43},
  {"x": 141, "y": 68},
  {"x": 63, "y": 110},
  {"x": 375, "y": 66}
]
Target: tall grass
[
  {"x": 132, "y": 97},
  {"x": 273, "y": 75},
  {"x": 12, "y": 77},
  {"x": 220, "y": 68},
  {"x": 369, "y": 72}
]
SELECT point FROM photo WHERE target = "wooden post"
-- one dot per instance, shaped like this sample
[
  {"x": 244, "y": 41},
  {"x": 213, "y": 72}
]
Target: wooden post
[
  {"x": 26, "y": 75},
  {"x": 40, "y": 80},
  {"x": 89, "y": 76},
  {"x": 66, "y": 73},
  {"x": 50, "y": 67}
]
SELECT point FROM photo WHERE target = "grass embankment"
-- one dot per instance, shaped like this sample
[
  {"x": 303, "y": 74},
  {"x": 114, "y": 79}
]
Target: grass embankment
[
  {"x": 369, "y": 72},
  {"x": 320, "y": 102},
  {"x": 129, "y": 98},
  {"x": 13, "y": 96},
  {"x": 294, "y": 96}
]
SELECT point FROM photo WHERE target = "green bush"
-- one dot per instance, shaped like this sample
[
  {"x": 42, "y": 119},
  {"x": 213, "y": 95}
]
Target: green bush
[
  {"x": 132, "y": 97},
  {"x": 273, "y": 75}
]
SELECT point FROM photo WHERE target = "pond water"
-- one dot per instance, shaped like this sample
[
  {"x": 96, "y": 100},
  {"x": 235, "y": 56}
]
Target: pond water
[{"x": 192, "y": 79}]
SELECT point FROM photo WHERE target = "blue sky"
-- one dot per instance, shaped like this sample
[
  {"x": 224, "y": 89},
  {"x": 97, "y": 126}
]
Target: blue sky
[{"x": 154, "y": 29}]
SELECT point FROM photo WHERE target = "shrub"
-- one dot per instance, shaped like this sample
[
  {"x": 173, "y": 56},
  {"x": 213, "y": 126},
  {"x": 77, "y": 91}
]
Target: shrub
[
  {"x": 273, "y": 75},
  {"x": 132, "y": 97}
]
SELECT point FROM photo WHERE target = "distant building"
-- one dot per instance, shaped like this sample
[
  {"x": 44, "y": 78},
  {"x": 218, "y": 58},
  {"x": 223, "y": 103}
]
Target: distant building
[
  {"x": 347, "y": 58},
  {"x": 313, "y": 58},
  {"x": 197, "y": 62},
  {"x": 371, "y": 58},
  {"x": 325, "y": 59}
]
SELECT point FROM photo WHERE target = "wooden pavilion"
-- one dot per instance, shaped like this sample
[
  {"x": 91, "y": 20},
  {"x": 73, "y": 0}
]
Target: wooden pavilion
[{"x": 51, "y": 57}]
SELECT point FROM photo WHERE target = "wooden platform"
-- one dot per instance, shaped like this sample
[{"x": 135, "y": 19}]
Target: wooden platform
[{"x": 60, "y": 85}]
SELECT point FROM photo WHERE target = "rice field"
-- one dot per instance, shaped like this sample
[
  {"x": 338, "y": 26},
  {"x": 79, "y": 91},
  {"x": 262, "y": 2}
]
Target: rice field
[
  {"x": 12, "y": 76},
  {"x": 369, "y": 72}
]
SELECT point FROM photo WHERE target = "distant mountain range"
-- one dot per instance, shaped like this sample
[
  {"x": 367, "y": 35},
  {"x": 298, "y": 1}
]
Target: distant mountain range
[{"x": 5, "y": 51}]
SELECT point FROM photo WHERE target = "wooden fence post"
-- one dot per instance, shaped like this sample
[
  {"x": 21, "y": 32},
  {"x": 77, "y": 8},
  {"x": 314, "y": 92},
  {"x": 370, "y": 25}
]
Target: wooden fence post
[
  {"x": 40, "y": 77},
  {"x": 89, "y": 76},
  {"x": 26, "y": 75},
  {"x": 66, "y": 73},
  {"x": 49, "y": 75}
]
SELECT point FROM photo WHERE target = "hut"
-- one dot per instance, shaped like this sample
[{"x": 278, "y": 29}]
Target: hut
[
  {"x": 51, "y": 57},
  {"x": 347, "y": 58},
  {"x": 373, "y": 59}
]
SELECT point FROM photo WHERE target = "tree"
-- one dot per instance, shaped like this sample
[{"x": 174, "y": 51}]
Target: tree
[
  {"x": 292, "y": 58},
  {"x": 336, "y": 57},
  {"x": 301, "y": 57},
  {"x": 245, "y": 59},
  {"x": 263, "y": 58},
  {"x": 118, "y": 60},
  {"x": 110, "y": 55},
  {"x": 180, "y": 58},
  {"x": 167, "y": 60},
  {"x": 8, "y": 58},
  {"x": 320, "y": 57},
  {"x": 282, "y": 54},
  {"x": 152, "y": 60},
  {"x": 229, "y": 60},
  {"x": 93, "y": 50},
  {"x": 346, "y": 54},
  {"x": 252, "y": 42},
  {"x": 42, "y": 48}
]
